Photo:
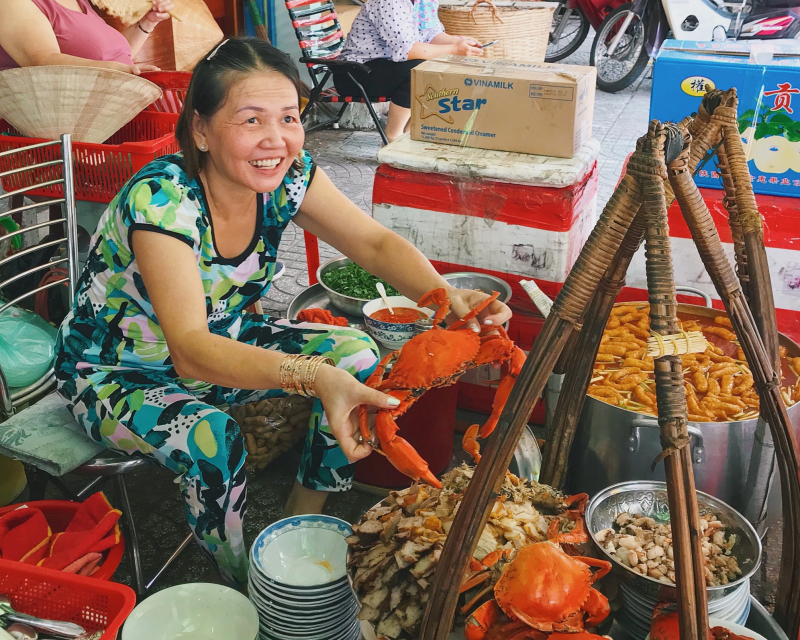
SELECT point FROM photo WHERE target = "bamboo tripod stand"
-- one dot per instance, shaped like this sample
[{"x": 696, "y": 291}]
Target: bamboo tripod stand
[{"x": 658, "y": 172}]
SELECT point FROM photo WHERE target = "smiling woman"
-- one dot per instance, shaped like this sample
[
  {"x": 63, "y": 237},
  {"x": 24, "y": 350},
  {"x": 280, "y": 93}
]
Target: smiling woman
[{"x": 159, "y": 335}]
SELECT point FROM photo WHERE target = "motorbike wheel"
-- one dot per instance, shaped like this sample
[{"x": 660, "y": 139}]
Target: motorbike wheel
[
  {"x": 621, "y": 70},
  {"x": 572, "y": 34}
]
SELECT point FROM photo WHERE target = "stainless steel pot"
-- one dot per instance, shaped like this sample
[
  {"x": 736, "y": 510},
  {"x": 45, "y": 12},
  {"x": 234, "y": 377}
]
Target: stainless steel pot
[{"x": 617, "y": 445}]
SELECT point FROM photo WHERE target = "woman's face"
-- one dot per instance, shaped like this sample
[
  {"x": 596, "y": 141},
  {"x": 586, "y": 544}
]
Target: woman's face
[{"x": 256, "y": 135}]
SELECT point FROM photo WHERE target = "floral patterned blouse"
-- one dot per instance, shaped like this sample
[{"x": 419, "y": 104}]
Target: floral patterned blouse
[{"x": 112, "y": 323}]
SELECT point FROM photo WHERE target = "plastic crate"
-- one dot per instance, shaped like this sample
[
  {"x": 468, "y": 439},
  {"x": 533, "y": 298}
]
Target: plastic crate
[
  {"x": 174, "y": 85},
  {"x": 59, "y": 514},
  {"x": 100, "y": 169},
  {"x": 93, "y": 604}
]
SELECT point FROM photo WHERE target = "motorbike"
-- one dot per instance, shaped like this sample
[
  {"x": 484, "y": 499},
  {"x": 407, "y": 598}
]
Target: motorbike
[
  {"x": 571, "y": 22},
  {"x": 634, "y": 31}
]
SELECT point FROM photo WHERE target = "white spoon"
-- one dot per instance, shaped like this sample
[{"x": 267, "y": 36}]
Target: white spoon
[{"x": 382, "y": 290}]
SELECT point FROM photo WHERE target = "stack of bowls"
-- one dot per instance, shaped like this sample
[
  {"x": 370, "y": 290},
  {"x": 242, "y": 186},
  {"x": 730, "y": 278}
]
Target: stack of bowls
[
  {"x": 298, "y": 580},
  {"x": 639, "y": 594},
  {"x": 637, "y": 608}
]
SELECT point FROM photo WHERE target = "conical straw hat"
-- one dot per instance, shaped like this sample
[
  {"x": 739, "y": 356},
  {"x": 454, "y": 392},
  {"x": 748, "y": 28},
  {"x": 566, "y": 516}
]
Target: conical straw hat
[
  {"x": 130, "y": 11},
  {"x": 195, "y": 34},
  {"x": 89, "y": 103}
]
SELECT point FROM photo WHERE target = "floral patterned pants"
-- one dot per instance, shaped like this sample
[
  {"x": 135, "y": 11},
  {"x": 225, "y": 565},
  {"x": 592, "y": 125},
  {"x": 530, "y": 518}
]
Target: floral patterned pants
[{"x": 175, "y": 423}]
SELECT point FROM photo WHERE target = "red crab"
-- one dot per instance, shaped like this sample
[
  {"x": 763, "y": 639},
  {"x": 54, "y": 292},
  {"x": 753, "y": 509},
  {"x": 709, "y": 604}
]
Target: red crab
[
  {"x": 665, "y": 626},
  {"x": 437, "y": 358},
  {"x": 543, "y": 590}
]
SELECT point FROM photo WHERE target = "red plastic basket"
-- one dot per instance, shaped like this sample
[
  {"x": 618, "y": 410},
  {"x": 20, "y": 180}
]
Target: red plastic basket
[
  {"x": 55, "y": 595},
  {"x": 174, "y": 85},
  {"x": 59, "y": 514},
  {"x": 100, "y": 169}
]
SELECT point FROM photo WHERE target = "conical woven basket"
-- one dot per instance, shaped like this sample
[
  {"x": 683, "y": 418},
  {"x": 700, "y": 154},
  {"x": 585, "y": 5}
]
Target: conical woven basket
[
  {"x": 91, "y": 104},
  {"x": 522, "y": 28}
]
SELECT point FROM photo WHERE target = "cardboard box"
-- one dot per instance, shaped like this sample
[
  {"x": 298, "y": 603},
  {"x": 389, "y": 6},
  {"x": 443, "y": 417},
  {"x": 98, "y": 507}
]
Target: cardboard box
[
  {"x": 506, "y": 105},
  {"x": 766, "y": 75}
]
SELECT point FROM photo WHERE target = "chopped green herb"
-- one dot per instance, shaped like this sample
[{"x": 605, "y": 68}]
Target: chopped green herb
[{"x": 351, "y": 280}]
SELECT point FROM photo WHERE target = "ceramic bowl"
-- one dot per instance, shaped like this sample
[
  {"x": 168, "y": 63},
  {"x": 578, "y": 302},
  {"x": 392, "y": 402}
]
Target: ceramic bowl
[
  {"x": 391, "y": 335},
  {"x": 302, "y": 552},
  {"x": 195, "y": 611}
]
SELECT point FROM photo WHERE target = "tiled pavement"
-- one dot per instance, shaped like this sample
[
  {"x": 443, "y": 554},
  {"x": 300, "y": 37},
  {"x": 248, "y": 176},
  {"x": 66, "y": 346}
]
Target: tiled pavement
[{"x": 348, "y": 157}]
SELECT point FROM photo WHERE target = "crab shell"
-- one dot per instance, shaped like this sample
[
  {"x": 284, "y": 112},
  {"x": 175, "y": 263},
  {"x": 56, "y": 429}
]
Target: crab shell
[
  {"x": 549, "y": 590},
  {"x": 432, "y": 358}
]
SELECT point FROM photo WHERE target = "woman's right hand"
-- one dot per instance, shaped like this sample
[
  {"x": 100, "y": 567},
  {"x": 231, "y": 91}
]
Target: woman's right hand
[
  {"x": 465, "y": 48},
  {"x": 341, "y": 396}
]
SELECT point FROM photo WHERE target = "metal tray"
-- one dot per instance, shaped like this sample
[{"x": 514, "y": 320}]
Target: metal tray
[{"x": 315, "y": 297}]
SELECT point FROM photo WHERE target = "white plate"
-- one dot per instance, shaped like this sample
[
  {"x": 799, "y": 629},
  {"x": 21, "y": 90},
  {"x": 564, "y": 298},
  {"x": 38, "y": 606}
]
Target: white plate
[
  {"x": 303, "y": 551},
  {"x": 345, "y": 634},
  {"x": 194, "y": 611},
  {"x": 305, "y": 594}
]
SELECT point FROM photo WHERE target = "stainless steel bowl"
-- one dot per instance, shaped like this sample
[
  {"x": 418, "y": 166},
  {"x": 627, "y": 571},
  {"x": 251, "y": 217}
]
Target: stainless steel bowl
[
  {"x": 650, "y": 499},
  {"x": 480, "y": 281},
  {"x": 347, "y": 304}
]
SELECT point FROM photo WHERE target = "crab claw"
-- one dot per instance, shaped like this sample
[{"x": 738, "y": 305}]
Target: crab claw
[
  {"x": 596, "y": 608},
  {"x": 400, "y": 453},
  {"x": 439, "y": 298},
  {"x": 482, "y": 618},
  {"x": 474, "y": 312},
  {"x": 504, "y": 390},
  {"x": 470, "y": 444}
]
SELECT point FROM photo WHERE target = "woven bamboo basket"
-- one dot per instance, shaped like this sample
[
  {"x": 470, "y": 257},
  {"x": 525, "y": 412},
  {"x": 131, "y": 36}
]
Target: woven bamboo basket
[{"x": 521, "y": 27}]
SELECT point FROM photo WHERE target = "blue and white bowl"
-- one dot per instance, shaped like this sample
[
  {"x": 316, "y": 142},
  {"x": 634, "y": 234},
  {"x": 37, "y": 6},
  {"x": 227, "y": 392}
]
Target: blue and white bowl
[
  {"x": 391, "y": 335},
  {"x": 298, "y": 581},
  {"x": 302, "y": 552}
]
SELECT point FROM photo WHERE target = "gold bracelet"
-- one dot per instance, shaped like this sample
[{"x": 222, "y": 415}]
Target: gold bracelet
[
  {"x": 311, "y": 374},
  {"x": 298, "y": 372}
]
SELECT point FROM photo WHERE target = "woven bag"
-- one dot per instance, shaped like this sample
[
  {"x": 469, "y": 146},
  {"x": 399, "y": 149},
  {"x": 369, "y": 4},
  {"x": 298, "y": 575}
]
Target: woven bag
[
  {"x": 271, "y": 427},
  {"x": 522, "y": 28}
]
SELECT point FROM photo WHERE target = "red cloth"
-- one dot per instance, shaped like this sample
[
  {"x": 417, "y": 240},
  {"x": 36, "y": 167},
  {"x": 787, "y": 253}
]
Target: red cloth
[
  {"x": 321, "y": 316},
  {"x": 82, "y": 34},
  {"x": 26, "y": 537}
]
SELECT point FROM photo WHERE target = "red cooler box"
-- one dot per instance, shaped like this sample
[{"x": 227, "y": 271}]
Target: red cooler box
[{"x": 513, "y": 215}]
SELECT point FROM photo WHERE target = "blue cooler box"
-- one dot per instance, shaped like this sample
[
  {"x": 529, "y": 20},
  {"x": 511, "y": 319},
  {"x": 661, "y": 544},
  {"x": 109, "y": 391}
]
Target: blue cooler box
[{"x": 767, "y": 78}]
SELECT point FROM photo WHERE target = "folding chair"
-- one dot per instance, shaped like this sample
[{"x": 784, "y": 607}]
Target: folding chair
[
  {"x": 321, "y": 41},
  {"x": 35, "y": 425}
]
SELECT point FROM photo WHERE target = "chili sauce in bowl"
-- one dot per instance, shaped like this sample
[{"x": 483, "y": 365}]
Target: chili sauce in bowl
[{"x": 393, "y": 330}]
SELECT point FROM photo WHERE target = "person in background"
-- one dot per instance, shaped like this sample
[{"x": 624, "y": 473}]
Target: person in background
[
  {"x": 386, "y": 37},
  {"x": 427, "y": 12},
  {"x": 69, "y": 32}
]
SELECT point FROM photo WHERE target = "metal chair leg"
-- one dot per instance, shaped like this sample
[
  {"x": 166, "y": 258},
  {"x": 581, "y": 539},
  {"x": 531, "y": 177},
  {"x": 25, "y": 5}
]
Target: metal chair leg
[
  {"x": 37, "y": 482},
  {"x": 131, "y": 541},
  {"x": 186, "y": 542},
  {"x": 374, "y": 115}
]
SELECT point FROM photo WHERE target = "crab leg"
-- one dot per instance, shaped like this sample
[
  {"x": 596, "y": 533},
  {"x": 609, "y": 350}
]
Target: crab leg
[
  {"x": 400, "y": 453},
  {"x": 596, "y": 608},
  {"x": 473, "y": 312},
  {"x": 373, "y": 382},
  {"x": 602, "y": 566},
  {"x": 504, "y": 390}
]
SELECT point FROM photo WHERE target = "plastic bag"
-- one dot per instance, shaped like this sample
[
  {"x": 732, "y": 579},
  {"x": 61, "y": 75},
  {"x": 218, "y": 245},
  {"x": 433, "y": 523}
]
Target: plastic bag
[
  {"x": 27, "y": 346},
  {"x": 271, "y": 427}
]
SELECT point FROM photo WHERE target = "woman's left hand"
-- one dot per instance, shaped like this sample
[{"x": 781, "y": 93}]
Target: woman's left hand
[
  {"x": 158, "y": 13},
  {"x": 463, "y": 300}
]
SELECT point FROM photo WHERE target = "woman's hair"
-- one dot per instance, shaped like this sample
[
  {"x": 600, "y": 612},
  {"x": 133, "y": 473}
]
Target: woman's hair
[{"x": 213, "y": 77}]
